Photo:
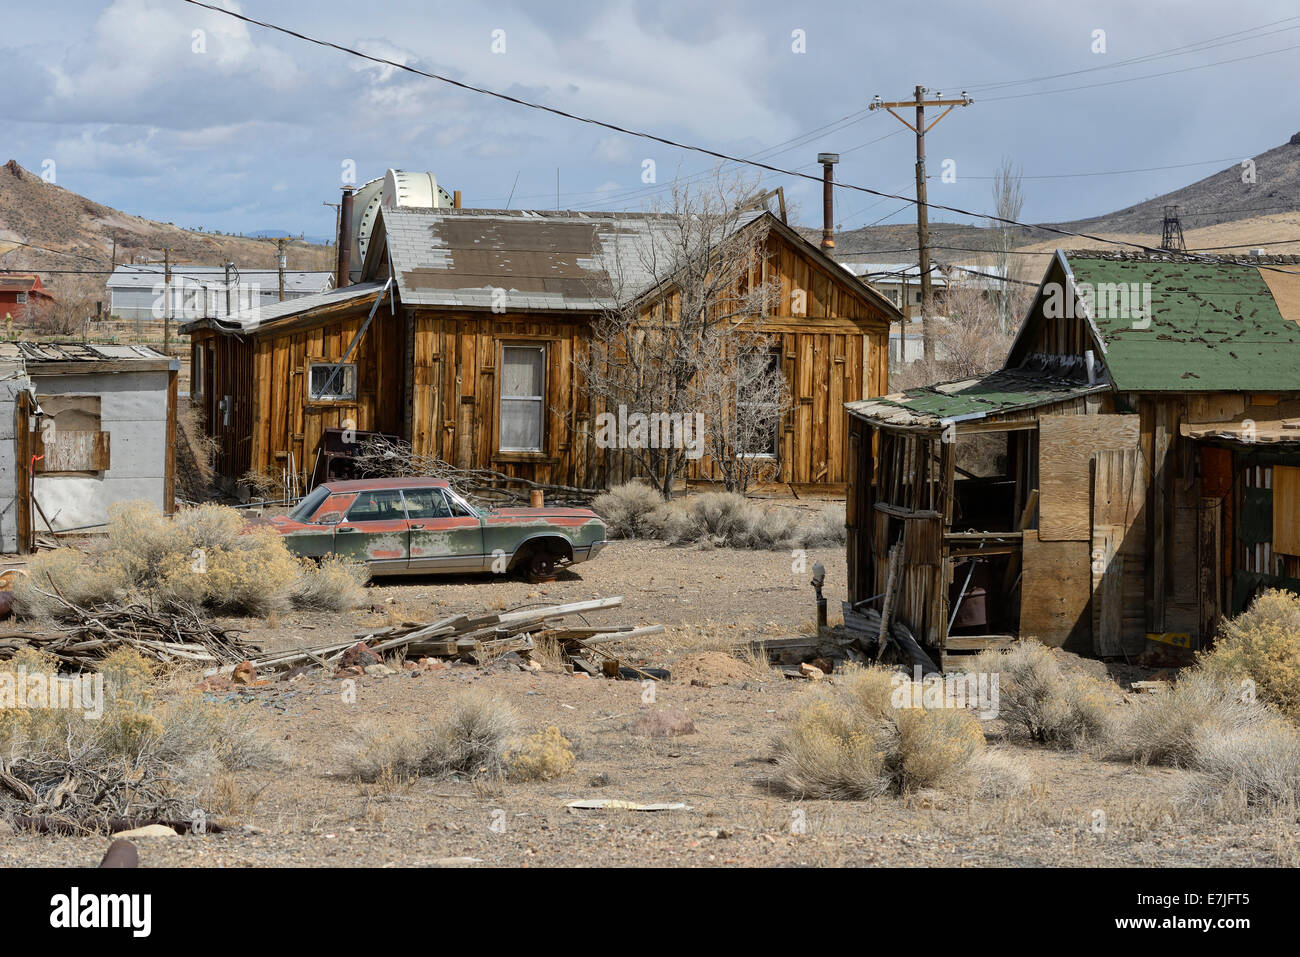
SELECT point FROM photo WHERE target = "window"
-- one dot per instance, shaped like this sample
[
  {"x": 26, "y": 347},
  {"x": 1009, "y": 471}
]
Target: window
[
  {"x": 426, "y": 503},
  {"x": 758, "y": 414},
  {"x": 378, "y": 506},
  {"x": 69, "y": 437},
  {"x": 459, "y": 507},
  {"x": 196, "y": 370},
  {"x": 332, "y": 381},
  {"x": 523, "y": 389},
  {"x": 305, "y": 509},
  {"x": 22, "y": 298}
]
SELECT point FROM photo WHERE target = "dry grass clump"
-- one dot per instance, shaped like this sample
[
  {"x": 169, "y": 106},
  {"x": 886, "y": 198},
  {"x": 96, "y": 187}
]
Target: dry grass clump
[
  {"x": 626, "y": 509},
  {"x": 851, "y": 742},
  {"x": 147, "y": 756},
  {"x": 719, "y": 519},
  {"x": 1042, "y": 702},
  {"x": 469, "y": 740},
  {"x": 1262, "y": 644},
  {"x": 1207, "y": 724},
  {"x": 206, "y": 557},
  {"x": 336, "y": 584},
  {"x": 543, "y": 756}
]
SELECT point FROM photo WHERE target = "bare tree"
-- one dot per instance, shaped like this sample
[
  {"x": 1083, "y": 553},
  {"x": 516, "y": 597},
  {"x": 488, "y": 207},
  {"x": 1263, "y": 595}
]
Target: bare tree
[
  {"x": 974, "y": 339},
  {"x": 69, "y": 312},
  {"x": 684, "y": 305},
  {"x": 1008, "y": 201}
]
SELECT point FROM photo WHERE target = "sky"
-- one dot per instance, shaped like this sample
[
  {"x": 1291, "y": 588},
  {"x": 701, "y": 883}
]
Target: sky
[{"x": 169, "y": 111}]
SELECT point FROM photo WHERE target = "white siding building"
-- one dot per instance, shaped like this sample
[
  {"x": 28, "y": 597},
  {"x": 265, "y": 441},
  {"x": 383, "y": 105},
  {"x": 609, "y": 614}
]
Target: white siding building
[{"x": 201, "y": 292}]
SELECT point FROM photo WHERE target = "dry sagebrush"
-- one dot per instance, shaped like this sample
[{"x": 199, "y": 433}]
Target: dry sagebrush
[
  {"x": 470, "y": 739},
  {"x": 720, "y": 519},
  {"x": 148, "y": 756},
  {"x": 1042, "y": 702},
  {"x": 1262, "y": 644},
  {"x": 850, "y": 742},
  {"x": 207, "y": 557}
]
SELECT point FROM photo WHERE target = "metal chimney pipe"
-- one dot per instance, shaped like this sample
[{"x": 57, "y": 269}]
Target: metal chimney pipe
[
  {"x": 828, "y": 161},
  {"x": 343, "y": 262}
]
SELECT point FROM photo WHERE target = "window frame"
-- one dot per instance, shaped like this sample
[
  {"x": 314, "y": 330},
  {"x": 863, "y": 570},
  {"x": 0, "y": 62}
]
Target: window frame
[
  {"x": 333, "y": 399},
  {"x": 774, "y": 358},
  {"x": 401, "y": 500},
  {"x": 540, "y": 399}
]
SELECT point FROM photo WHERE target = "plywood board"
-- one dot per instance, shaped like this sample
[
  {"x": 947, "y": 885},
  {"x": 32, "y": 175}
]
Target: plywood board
[
  {"x": 1067, "y": 444},
  {"x": 1286, "y": 510},
  {"x": 1055, "y": 589}
]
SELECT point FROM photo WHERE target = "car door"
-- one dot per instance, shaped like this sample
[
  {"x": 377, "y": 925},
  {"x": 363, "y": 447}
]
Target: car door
[
  {"x": 444, "y": 538},
  {"x": 374, "y": 531}
]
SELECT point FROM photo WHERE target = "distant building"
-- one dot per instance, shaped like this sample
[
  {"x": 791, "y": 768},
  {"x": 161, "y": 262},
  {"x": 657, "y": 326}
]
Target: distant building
[
  {"x": 18, "y": 291},
  {"x": 201, "y": 292},
  {"x": 900, "y": 283}
]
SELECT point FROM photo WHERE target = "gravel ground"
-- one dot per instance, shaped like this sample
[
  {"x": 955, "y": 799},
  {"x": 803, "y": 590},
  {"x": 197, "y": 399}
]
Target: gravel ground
[{"x": 308, "y": 812}]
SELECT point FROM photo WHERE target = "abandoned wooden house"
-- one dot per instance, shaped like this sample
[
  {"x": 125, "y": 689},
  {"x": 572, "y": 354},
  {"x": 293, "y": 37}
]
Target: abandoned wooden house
[
  {"x": 469, "y": 352},
  {"x": 1130, "y": 475}
]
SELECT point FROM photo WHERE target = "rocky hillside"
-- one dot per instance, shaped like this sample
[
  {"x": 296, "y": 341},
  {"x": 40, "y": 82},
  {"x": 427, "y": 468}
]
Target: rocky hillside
[{"x": 34, "y": 211}]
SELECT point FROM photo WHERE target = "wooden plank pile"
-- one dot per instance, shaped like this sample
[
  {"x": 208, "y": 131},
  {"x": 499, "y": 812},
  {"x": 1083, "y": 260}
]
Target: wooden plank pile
[{"x": 481, "y": 639}]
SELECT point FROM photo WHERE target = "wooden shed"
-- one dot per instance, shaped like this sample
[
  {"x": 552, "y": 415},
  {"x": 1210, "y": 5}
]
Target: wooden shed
[
  {"x": 451, "y": 300},
  {"x": 1129, "y": 476}
]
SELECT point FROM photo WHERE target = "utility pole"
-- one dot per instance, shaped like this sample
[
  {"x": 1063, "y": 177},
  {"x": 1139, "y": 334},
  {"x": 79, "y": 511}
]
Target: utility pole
[
  {"x": 167, "y": 301},
  {"x": 280, "y": 259},
  {"x": 922, "y": 212}
]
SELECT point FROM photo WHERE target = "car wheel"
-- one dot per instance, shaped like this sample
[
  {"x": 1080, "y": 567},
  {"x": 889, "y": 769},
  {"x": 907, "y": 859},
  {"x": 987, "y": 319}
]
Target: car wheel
[{"x": 540, "y": 567}]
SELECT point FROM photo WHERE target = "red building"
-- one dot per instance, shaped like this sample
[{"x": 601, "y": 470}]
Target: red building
[{"x": 18, "y": 291}]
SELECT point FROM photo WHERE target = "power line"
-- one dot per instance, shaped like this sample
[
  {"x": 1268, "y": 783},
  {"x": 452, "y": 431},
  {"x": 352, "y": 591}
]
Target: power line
[
  {"x": 653, "y": 137},
  {"x": 1131, "y": 79},
  {"x": 1113, "y": 172},
  {"x": 1196, "y": 47}
]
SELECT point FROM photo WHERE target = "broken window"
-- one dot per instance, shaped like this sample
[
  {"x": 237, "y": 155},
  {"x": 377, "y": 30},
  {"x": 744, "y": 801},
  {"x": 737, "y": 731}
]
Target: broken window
[
  {"x": 332, "y": 381},
  {"x": 523, "y": 397},
  {"x": 69, "y": 437}
]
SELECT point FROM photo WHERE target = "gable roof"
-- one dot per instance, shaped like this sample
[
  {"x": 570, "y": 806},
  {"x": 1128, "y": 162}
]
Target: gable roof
[
  {"x": 1213, "y": 326},
  {"x": 565, "y": 261}
]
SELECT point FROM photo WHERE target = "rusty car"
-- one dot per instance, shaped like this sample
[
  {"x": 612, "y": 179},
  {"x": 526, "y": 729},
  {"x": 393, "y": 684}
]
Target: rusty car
[{"x": 420, "y": 526}]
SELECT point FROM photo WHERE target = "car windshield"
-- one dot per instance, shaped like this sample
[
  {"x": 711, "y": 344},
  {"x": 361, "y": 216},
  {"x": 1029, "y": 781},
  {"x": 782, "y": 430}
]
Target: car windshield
[
  {"x": 461, "y": 507},
  {"x": 305, "y": 509}
]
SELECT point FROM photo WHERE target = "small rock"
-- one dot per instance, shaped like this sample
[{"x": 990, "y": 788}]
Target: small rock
[
  {"x": 149, "y": 830},
  {"x": 244, "y": 673},
  {"x": 378, "y": 671},
  {"x": 812, "y": 672},
  {"x": 361, "y": 655},
  {"x": 410, "y": 666},
  {"x": 215, "y": 683},
  {"x": 121, "y": 853},
  {"x": 666, "y": 723},
  {"x": 601, "y": 780},
  {"x": 824, "y": 664}
]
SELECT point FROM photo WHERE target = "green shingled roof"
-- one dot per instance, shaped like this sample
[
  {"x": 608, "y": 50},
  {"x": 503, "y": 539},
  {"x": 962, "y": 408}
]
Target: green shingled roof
[
  {"x": 1213, "y": 328},
  {"x": 998, "y": 392}
]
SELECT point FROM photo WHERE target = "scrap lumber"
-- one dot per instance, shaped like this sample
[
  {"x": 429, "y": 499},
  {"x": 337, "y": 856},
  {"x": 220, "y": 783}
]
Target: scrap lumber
[
  {"x": 171, "y": 634},
  {"x": 479, "y": 637}
]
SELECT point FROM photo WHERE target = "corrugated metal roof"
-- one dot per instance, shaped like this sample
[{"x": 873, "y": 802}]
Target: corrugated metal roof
[
  {"x": 38, "y": 352},
  {"x": 149, "y": 275},
  {"x": 569, "y": 261},
  {"x": 931, "y": 407},
  {"x": 248, "y": 320},
  {"x": 1214, "y": 327}
]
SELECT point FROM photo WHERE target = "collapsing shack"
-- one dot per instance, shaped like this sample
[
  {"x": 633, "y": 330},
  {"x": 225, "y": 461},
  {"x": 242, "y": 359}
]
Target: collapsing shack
[{"x": 1130, "y": 475}]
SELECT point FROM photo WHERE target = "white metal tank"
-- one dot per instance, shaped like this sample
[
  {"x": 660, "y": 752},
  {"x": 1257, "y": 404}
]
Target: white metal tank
[{"x": 395, "y": 188}]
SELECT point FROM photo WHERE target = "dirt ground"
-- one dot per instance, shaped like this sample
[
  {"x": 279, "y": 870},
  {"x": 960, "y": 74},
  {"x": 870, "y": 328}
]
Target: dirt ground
[{"x": 308, "y": 812}]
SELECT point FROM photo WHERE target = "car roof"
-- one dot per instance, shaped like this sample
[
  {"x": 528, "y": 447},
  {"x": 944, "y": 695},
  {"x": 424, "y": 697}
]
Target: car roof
[{"x": 370, "y": 485}]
